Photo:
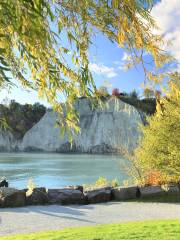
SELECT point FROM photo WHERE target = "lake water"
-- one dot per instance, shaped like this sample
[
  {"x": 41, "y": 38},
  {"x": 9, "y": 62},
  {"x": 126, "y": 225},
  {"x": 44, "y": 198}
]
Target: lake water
[{"x": 57, "y": 170}]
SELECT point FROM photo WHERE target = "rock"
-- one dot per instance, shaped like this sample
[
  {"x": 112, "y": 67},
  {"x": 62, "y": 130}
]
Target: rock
[
  {"x": 98, "y": 195},
  {"x": 125, "y": 193},
  {"x": 24, "y": 190},
  {"x": 66, "y": 196},
  {"x": 4, "y": 183},
  {"x": 151, "y": 191},
  {"x": 171, "y": 189},
  {"x": 102, "y": 148},
  {"x": 77, "y": 187},
  {"x": 38, "y": 196},
  {"x": 11, "y": 197}
]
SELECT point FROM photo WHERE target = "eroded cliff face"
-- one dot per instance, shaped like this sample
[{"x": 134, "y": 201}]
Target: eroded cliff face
[
  {"x": 8, "y": 143},
  {"x": 111, "y": 129}
]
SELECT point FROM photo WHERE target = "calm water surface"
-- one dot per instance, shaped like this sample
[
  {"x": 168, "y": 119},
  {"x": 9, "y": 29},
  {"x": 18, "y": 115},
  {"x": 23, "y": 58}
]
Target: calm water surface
[{"x": 57, "y": 170}]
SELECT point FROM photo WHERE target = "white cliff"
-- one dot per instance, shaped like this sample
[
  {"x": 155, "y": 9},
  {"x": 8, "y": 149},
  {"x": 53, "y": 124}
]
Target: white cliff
[
  {"x": 7, "y": 142},
  {"x": 112, "y": 129}
]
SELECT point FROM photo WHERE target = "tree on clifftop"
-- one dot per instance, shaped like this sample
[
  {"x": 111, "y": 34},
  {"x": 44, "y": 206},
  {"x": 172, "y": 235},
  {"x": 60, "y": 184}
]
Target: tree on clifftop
[{"x": 34, "y": 51}]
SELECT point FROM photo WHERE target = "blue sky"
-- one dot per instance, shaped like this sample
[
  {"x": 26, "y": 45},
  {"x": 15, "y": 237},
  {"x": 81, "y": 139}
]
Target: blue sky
[
  {"x": 106, "y": 61},
  {"x": 106, "y": 58}
]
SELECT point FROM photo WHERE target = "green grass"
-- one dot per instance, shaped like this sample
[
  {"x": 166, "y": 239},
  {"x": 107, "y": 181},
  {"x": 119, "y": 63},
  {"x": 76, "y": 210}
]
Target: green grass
[
  {"x": 158, "y": 199},
  {"x": 151, "y": 230},
  {"x": 162, "y": 199}
]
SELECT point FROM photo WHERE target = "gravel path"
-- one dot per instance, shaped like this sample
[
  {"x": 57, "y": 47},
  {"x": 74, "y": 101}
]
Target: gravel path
[{"x": 40, "y": 218}]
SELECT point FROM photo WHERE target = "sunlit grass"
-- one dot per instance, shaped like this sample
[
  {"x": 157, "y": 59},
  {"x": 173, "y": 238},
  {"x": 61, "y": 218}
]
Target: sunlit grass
[
  {"x": 151, "y": 230},
  {"x": 159, "y": 199}
]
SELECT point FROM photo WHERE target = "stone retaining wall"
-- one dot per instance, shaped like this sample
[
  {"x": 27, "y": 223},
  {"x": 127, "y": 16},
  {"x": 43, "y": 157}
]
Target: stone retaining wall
[{"x": 11, "y": 197}]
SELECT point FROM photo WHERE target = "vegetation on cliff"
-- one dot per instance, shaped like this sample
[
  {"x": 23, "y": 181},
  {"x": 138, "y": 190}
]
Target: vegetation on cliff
[
  {"x": 147, "y": 104},
  {"x": 20, "y": 118}
]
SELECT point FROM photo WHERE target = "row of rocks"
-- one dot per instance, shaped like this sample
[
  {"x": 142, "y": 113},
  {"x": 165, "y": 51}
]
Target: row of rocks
[{"x": 10, "y": 197}]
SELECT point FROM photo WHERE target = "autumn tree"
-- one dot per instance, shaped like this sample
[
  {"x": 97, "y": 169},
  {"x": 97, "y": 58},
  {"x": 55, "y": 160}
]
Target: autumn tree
[
  {"x": 102, "y": 91},
  {"x": 148, "y": 93},
  {"x": 159, "y": 147},
  {"x": 44, "y": 45},
  {"x": 115, "y": 92}
]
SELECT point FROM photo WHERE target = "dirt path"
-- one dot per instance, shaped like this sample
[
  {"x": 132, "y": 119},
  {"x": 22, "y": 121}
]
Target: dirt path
[{"x": 40, "y": 218}]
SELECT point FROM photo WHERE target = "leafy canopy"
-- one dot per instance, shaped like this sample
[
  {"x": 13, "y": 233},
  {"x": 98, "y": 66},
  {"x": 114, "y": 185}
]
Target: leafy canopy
[
  {"x": 160, "y": 144},
  {"x": 44, "y": 44}
]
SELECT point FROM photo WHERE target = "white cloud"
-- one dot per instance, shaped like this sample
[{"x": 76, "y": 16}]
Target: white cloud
[
  {"x": 125, "y": 57},
  {"x": 167, "y": 15},
  {"x": 101, "y": 69},
  {"x": 123, "y": 61}
]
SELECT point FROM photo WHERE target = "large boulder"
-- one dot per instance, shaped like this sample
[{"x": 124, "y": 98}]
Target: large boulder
[
  {"x": 76, "y": 187},
  {"x": 38, "y": 196},
  {"x": 11, "y": 197},
  {"x": 171, "y": 189},
  {"x": 151, "y": 191},
  {"x": 125, "y": 193},
  {"x": 98, "y": 195},
  {"x": 66, "y": 196}
]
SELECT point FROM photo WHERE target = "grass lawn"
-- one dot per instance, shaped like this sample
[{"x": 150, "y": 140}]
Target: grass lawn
[
  {"x": 151, "y": 230},
  {"x": 160, "y": 199}
]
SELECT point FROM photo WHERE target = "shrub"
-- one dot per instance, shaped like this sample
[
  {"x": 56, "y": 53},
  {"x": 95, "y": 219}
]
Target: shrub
[
  {"x": 30, "y": 187},
  {"x": 126, "y": 183},
  {"x": 115, "y": 183},
  {"x": 148, "y": 93},
  {"x": 160, "y": 144},
  {"x": 102, "y": 92},
  {"x": 154, "y": 178},
  {"x": 102, "y": 182}
]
